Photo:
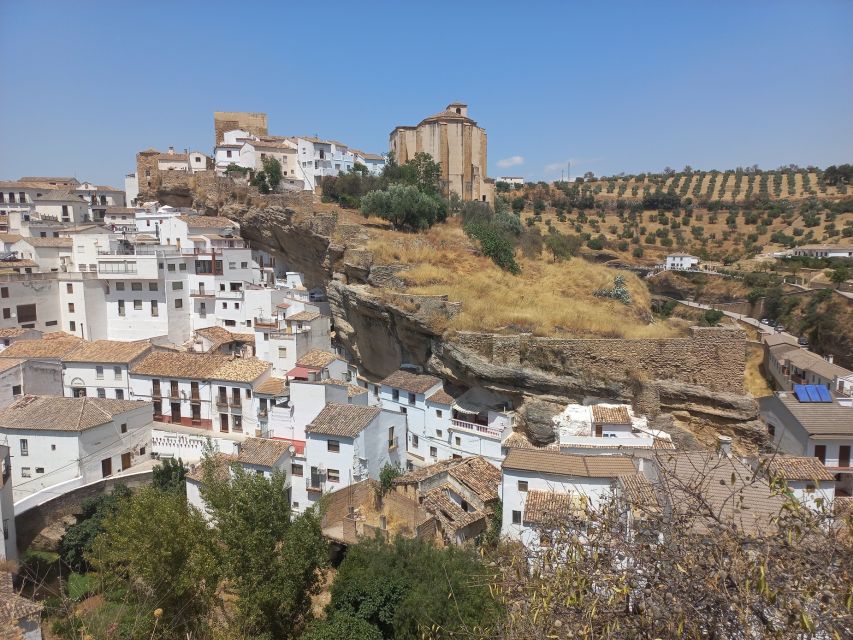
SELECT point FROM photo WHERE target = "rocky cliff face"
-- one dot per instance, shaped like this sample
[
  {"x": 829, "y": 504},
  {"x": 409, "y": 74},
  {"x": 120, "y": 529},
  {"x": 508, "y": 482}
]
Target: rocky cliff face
[{"x": 383, "y": 327}]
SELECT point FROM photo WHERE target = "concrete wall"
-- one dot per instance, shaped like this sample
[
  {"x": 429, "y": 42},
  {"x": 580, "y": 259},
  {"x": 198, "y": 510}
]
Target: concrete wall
[{"x": 713, "y": 357}]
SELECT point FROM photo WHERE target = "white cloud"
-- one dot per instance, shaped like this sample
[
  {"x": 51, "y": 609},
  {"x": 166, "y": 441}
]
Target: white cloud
[{"x": 512, "y": 161}]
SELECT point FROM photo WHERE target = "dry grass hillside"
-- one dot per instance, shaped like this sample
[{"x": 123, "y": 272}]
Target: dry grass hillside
[{"x": 548, "y": 298}]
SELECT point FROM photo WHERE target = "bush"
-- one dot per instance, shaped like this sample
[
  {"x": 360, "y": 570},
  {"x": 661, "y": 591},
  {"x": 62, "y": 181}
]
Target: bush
[
  {"x": 518, "y": 204},
  {"x": 495, "y": 245},
  {"x": 637, "y": 252},
  {"x": 597, "y": 243},
  {"x": 711, "y": 318}
]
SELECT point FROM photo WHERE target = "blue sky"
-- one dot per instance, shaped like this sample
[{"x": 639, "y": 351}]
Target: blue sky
[{"x": 631, "y": 86}]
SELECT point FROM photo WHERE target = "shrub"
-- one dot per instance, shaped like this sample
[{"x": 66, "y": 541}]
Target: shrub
[{"x": 405, "y": 207}]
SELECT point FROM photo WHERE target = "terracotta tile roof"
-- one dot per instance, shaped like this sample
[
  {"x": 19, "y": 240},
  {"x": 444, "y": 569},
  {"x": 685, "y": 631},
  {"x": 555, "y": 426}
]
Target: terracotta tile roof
[
  {"x": 109, "y": 351},
  {"x": 17, "y": 264},
  {"x": 697, "y": 482},
  {"x": 220, "y": 462},
  {"x": 317, "y": 358},
  {"x": 38, "y": 242},
  {"x": 10, "y": 237},
  {"x": 12, "y": 332},
  {"x": 262, "y": 452},
  {"x": 550, "y": 508},
  {"x": 413, "y": 382},
  {"x": 808, "y": 361},
  {"x": 14, "y": 608},
  {"x": 48, "y": 179},
  {"x": 304, "y": 316},
  {"x": 660, "y": 443},
  {"x": 42, "y": 347},
  {"x": 520, "y": 441},
  {"x": 207, "y": 221},
  {"x": 272, "y": 387},
  {"x": 59, "y": 195},
  {"x": 441, "y": 397},
  {"x": 346, "y": 420},
  {"x": 449, "y": 513},
  {"x": 474, "y": 472},
  {"x": 119, "y": 210},
  {"x": 610, "y": 466},
  {"x": 55, "y": 413},
  {"x": 796, "y": 468},
  {"x": 352, "y": 389},
  {"x": 9, "y": 363},
  {"x": 173, "y": 157},
  {"x": 639, "y": 493},
  {"x": 201, "y": 366},
  {"x": 479, "y": 475},
  {"x": 610, "y": 415},
  {"x": 219, "y": 336}
]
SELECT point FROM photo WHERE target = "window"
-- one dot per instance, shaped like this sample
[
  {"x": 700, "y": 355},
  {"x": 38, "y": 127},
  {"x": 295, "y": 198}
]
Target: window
[
  {"x": 516, "y": 517},
  {"x": 101, "y": 392},
  {"x": 282, "y": 351},
  {"x": 522, "y": 485},
  {"x": 7, "y": 313},
  {"x": 237, "y": 423},
  {"x": 69, "y": 288},
  {"x": 333, "y": 475},
  {"x": 416, "y": 441},
  {"x": 119, "y": 394},
  {"x": 820, "y": 452},
  {"x": 16, "y": 390},
  {"x": 136, "y": 286},
  {"x": 25, "y": 448},
  {"x": 119, "y": 286},
  {"x": 844, "y": 455},
  {"x": 439, "y": 413},
  {"x": 179, "y": 303},
  {"x": 152, "y": 286},
  {"x": 121, "y": 307},
  {"x": 116, "y": 373},
  {"x": 232, "y": 265},
  {"x": 771, "y": 430},
  {"x": 72, "y": 326},
  {"x": 53, "y": 447},
  {"x": 26, "y": 313},
  {"x": 228, "y": 153},
  {"x": 412, "y": 398},
  {"x": 439, "y": 433},
  {"x": 70, "y": 307},
  {"x": 182, "y": 266},
  {"x": 25, "y": 472},
  {"x": 403, "y": 410},
  {"x": 433, "y": 452},
  {"x": 177, "y": 286},
  {"x": 458, "y": 441},
  {"x": 395, "y": 394},
  {"x": 229, "y": 323},
  {"x": 244, "y": 265},
  {"x": 154, "y": 310},
  {"x": 224, "y": 305},
  {"x": 333, "y": 446},
  {"x": 124, "y": 427},
  {"x": 296, "y": 470},
  {"x": 810, "y": 488},
  {"x": 137, "y": 305},
  {"x": 4, "y": 292}
]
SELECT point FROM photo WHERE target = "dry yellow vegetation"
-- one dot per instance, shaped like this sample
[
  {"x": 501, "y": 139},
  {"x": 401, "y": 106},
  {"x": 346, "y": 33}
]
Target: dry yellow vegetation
[{"x": 547, "y": 299}]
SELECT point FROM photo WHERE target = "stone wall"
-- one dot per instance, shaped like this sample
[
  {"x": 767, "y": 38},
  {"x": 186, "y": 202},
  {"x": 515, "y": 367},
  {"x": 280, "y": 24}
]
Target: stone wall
[
  {"x": 30, "y": 523},
  {"x": 147, "y": 173},
  {"x": 713, "y": 357},
  {"x": 255, "y": 123}
]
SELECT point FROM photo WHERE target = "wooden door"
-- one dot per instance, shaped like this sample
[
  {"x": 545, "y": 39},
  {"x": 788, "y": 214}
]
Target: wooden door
[
  {"x": 106, "y": 467},
  {"x": 125, "y": 461}
]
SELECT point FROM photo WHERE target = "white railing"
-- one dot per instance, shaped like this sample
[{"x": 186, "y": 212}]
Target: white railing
[{"x": 476, "y": 428}]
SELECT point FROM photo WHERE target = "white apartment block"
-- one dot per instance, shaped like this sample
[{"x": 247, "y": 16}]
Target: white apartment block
[{"x": 101, "y": 369}]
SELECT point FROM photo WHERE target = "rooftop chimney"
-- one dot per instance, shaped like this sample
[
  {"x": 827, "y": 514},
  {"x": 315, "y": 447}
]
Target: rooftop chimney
[{"x": 724, "y": 446}]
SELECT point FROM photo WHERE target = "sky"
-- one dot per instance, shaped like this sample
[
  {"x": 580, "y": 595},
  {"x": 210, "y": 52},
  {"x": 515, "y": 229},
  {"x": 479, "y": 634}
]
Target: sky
[{"x": 608, "y": 86}]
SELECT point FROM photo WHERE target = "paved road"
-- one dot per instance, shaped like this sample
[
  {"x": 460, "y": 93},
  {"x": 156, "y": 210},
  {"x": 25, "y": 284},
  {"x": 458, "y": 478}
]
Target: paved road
[{"x": 763, "y": 328}]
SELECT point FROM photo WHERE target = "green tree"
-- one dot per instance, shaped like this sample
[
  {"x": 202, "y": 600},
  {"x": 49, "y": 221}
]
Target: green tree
[
  {"x": 386, "y": 476},
  {"x": 561, "y": 247},
  {"x": 272, "y": 171},
  {"x": 711, "y": 318},
  {"x": 161, "y": 553},
  {"x": 79, "y": 538},
  {"x": 409, "y": 587},
  {"x": 170, "y": 475},
  {"x": 405, "y": 207},
  {"x": 271, "y": 559},
  {"x": 422, "y": 172},
  {"x": 840, "y": 274},
  {"x": 518, "y": 204}
]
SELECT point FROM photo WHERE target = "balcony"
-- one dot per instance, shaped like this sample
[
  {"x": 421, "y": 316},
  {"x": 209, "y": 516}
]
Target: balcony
[
  {"x": 473, "y": 427},
  {"x": 222, "y": 403},
  {"x": 265, "y": 323},
  {"x": 393, "y": 443},
  {"x": 313, "y": 486},
  {"x": 201, "y": 293},
  {"x": 236, "y": 404},
  {"x": 116, "y": 267},
  {"x": 230, "y": 295}
]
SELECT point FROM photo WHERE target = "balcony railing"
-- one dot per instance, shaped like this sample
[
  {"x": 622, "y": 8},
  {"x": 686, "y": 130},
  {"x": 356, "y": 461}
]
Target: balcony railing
[
  {"x": 201, "y": 293},
  {"x": 266, "y": 323},
  {"x": 116, "y": 267},
  {"x": 238, "y": 295},
  {"x": 313, "y": 486},
  {"x": 222, "y": 403},
  {"x": 476, "y": 428}
]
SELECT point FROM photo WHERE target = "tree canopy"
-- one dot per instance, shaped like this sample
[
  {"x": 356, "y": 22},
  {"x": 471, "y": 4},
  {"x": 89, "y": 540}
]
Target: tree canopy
[{"x": 405, "y": 206}]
